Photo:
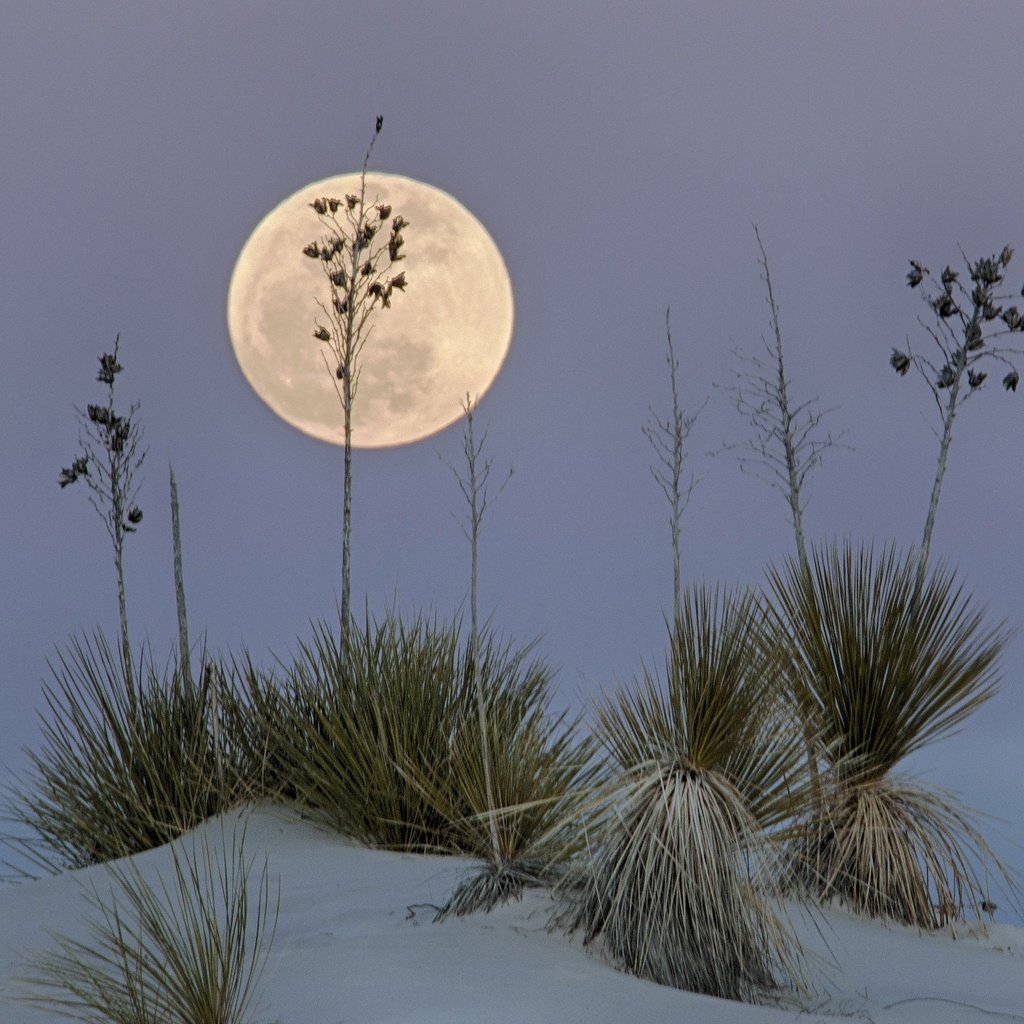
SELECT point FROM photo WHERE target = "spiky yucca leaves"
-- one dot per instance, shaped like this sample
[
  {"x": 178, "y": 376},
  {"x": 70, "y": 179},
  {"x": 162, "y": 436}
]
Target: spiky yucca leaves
[
  {"x": 188, "y": 950},
  {"x": 358, "y": 713},
  {"x": 681, "y": 878},
  {"x": 261, "y": 716},
  {"x": 882, "y": 668},
  {"x": 119, "y": 771},
  {"x": 382, "y": 739},
  {"x": 540, "y": 771}
]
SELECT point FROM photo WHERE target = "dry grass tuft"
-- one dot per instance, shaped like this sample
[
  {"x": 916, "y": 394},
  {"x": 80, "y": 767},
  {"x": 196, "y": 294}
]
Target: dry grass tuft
[{"x": 189, "y": 950}]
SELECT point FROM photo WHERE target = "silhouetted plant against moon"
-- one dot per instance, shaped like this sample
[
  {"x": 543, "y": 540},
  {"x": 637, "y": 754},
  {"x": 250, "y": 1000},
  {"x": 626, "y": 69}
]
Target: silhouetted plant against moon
[
  {"x": 109, "y": 460},
  {"x": 358, "y": 263},
  {"x": 964, "y": 325}
]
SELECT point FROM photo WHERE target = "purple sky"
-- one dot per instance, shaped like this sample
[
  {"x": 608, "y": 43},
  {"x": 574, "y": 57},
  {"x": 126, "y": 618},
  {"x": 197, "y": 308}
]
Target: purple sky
[{"x": 619, "y": 162}]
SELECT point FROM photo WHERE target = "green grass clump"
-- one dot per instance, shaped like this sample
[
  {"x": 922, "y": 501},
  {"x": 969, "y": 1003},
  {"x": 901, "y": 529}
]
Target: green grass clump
[
  {"x": 382, "y": 740},
  {"x": 120, "y": 770},
  {"x": 681, "y": 878},
  {"x": 879, "y": 669},
  {"x": 189, "y": 950},
  {"x": 540, "y": 772}
]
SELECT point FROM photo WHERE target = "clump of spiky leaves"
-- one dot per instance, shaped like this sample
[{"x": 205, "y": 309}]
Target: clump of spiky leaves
[
  {"x": 540, "y": 772},
  {"x": 882, "y": 667},
  {"x": 680, "y": 880},
  {"x": 357, "y": 712},
  {"x": 120, "y": 770},
  {"x": 259, "y": 713},
  {"x": 187, "y": 950},
  {"x": 381, "y": 739}
]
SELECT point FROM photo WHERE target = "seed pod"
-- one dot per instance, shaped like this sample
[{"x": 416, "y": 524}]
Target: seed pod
[{"x": 900, "y": 362}]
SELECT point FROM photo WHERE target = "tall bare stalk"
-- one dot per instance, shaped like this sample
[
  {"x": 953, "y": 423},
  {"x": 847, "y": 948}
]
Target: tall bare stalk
[
  {"x": 960, "y": 330},
  {"x": 110, "y": 450},
  {"x": 786, "y": 444},
  {"x": 473, "y": 485},
  {"x": 358, "y": 274},
  {"x": 668, "y": 438},
  {"x": 179, "y": 585}
]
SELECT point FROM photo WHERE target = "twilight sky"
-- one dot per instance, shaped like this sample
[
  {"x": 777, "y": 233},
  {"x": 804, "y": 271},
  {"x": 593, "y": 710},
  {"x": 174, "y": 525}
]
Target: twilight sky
[{"x": 619, "y": 161}]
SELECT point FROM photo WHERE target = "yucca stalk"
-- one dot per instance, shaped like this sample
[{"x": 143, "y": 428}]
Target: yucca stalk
[
  {"x": 884, "y": 665},
  {"x": 109, "y": 459},
  {"x": 968, "y": 328},
  {"x": 668, "y": 438},
  {"x": 184, "y": 652},
  {"x": 357, "y": 263},
  {"x": 681, "y": 879},
  {"x": 473, "y": 484},
  {"x": 539, "y": 776},
  {"x": 188, "y": 950}
]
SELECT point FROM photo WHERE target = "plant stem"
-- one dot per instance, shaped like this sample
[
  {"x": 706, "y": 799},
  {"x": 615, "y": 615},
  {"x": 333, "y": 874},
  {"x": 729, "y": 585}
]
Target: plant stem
[
  {"x": 179, "y": 586},
  {"x": 474, "y": 636}
]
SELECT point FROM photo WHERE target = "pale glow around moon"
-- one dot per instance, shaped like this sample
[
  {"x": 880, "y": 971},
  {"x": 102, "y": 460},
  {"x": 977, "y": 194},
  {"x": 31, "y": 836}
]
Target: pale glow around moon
[{"x": 445, "y": 337}]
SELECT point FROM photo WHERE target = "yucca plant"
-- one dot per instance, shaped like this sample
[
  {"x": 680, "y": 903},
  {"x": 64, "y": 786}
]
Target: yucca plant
[
  {"x": 359, "y": 266},
  {"x": 882, "y": 666},
  {"x": 188, "y": 950},
  {"x": 381, "y": 739},
  {"x": 121, "y": 770},
  {"x": 259, "y": 712},
  {"x": 356, "y": 714},
  {"x": 540, "y": 771},
  {"x": 681, "y": 881}
]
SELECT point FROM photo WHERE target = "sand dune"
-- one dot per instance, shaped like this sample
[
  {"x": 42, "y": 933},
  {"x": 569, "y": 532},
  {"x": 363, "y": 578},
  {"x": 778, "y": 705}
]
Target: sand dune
[{"x": 355, "y": 943}]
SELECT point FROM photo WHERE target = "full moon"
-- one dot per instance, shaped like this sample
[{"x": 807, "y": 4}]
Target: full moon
[{"x": 444, "y": 337}]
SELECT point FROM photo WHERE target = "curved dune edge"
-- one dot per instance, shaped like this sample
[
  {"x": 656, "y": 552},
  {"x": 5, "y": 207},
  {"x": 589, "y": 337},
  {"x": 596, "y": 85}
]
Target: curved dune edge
[{"x": 355, "y": 942}]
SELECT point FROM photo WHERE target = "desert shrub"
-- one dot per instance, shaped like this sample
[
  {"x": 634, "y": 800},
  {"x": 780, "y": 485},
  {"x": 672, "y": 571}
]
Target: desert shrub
[
  {"x": 263, "y": 718},
  {"x": 880, "y": 667},
  {"x": 382, "y": 740},
  {"x": 119, "y": 770},
  {"x": 540, "y": 771},
  {"x": 187, "y": 950},
  {"x": 680, "y": 880}
]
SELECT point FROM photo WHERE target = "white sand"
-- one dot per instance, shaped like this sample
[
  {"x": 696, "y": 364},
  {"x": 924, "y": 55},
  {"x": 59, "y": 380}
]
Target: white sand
[{"x": 355, "y": 943}]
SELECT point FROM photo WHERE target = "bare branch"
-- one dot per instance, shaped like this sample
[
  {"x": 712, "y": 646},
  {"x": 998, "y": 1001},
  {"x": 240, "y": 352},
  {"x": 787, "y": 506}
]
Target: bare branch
[
  {"x": 668, "y": 438},
  {"x": 786, "y": 443}
]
